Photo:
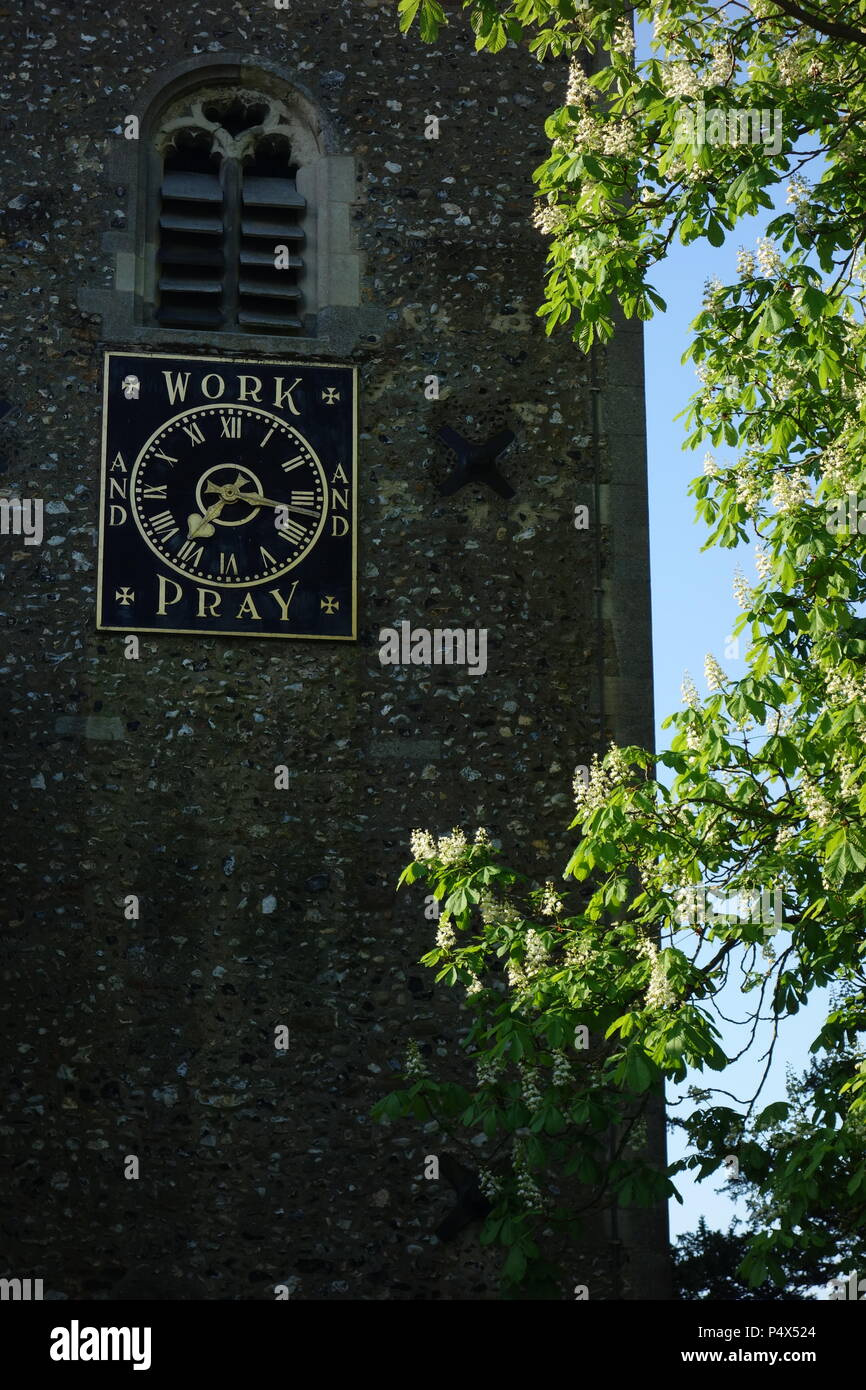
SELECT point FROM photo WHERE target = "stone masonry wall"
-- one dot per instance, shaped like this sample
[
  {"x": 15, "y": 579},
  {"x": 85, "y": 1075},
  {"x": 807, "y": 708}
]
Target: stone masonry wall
[{"x": 156, "y": 777}]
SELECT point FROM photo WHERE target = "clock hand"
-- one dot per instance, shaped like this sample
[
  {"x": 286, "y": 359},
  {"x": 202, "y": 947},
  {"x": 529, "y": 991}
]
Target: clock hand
[
  {"x": 256, "y": 500},
  {"x": 200, "y": 525},
  {"x": 228, "y": 492},
  {"x": 227, "y": 488}
]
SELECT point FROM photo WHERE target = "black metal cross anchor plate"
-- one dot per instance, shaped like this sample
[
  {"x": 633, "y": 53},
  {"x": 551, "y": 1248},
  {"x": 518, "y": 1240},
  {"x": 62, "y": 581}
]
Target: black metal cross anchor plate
[{"x": 475, "y": 462}]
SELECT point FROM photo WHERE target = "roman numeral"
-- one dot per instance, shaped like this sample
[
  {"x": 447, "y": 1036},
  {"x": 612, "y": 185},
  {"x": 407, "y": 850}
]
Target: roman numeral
[
  {"x": 156, "y": 490},
  {"x": 293, "y": 463},
  {"x": 166, "y": 458},
  {"x": 303, "y": 499},
  {"x": 194, "y": 433},
  {"x": 292, "y": 532},
  {"x": 228, "y": 563},
  {"x": 267, "y": 436},
  {"x": 267, "y": 557},
  {"x": 231, "y": 427},
  {"x": 163, "y": 523},
  {"x": 187, "y": 550}
]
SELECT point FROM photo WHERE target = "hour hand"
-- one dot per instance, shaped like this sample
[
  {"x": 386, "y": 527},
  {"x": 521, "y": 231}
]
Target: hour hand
[{"x": 201, "y": 525}]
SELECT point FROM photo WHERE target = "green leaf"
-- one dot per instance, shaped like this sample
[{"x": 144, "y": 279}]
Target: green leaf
[
  {"x": 515, "y": 1265},
  {"x": 490, "y": 1230},
  {"x": 639, "y": 1073},
  {"x": 432, "y": 18},
  {"x": 407, "y": 10},
  {"x": 772, "y": 1114},
  {"x": 457, "y": 903}
]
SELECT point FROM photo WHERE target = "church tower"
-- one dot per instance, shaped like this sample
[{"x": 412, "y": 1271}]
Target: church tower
[{"x": 276, "y": 386}]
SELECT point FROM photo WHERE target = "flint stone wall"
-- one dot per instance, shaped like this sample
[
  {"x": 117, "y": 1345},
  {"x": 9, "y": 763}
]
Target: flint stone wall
[{"x": 155, "y": 777}]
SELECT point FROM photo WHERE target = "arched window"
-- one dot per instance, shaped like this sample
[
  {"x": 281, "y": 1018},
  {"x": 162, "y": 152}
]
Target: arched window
[
  {"x": 240, "y": 227},
  {"x": 230, "y": 243}
]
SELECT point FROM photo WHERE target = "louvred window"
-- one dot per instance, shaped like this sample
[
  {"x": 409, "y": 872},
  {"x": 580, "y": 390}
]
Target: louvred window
[{"x": 231, "y": 232}]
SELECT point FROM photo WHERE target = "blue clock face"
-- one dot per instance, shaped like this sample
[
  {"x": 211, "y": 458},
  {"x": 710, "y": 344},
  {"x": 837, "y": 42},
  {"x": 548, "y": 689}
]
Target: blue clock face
[{"x": 228, "y": 497}]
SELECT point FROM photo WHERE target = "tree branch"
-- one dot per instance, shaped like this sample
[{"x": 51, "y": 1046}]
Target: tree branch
[{"x": 833, "y": 28}]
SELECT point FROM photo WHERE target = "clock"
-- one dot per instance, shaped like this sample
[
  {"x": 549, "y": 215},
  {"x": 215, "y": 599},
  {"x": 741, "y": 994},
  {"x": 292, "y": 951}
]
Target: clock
[
  {"x": 228, "y": 497},
  {"x": 210, "y": 514}
]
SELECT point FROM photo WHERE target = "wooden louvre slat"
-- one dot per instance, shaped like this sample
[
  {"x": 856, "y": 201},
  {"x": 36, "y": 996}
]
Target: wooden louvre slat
[
  {"x": 266, "y": 318},
  {"x": 266, "y": 226},
  {"x": 189, "y": 284},
  {"x": 275, "y": 289},
  {"x": 272, "y": 193},
  {"x": 174, "y": 221},
  {"x": 192, "y": 188},
  {"x": 252, "y": 257},
  {"x": 175, "y": 251}
]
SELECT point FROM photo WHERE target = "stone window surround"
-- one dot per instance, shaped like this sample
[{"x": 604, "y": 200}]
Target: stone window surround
[{"x": 325, "y": 178}]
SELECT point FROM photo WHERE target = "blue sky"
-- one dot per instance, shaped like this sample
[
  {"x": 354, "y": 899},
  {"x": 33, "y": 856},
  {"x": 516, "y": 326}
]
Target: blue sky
[{"x": 693, "y": 613}]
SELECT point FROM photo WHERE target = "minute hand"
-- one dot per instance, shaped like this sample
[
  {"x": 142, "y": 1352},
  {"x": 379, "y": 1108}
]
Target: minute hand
[{"x": 255, "y": 499}]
